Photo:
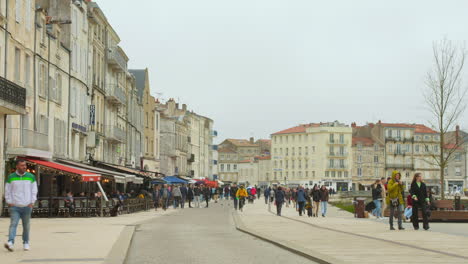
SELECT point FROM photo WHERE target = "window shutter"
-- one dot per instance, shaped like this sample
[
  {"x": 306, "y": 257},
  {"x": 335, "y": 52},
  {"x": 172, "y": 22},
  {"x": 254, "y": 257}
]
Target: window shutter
[{"x": 18, "y": 10}]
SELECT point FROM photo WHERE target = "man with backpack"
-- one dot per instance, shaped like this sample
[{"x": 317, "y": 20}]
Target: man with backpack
[
  {"x": 233, "y": 194},
  {"x": 165, "y": 195}
]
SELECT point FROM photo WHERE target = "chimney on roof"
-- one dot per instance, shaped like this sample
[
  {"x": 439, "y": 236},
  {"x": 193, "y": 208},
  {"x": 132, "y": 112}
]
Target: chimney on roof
[
  {"x": 251, "y": 140},
  {"x": 177, "y": 105},
  {"x": 353, "y": 124},
  {"x": 380, "y": 122},
  {"x": 371, "y": 125},
  {"x": 184, "y": 107},
  {"x": 457, "y": 134}
]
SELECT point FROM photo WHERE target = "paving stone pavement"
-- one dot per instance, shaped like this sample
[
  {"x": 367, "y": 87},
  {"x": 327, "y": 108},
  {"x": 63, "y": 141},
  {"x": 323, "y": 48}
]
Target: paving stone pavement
[
  {"x": 70, "y": 240},
  {"x": 353, "y": 240}
]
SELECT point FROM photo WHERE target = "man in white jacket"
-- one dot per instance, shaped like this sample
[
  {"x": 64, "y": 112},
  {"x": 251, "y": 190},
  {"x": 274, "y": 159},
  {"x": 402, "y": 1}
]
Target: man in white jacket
[{"x": 20, "y": 195}]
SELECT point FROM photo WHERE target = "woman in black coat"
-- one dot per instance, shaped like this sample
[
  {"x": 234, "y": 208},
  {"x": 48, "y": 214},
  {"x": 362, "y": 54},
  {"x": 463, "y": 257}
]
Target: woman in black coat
[
  {"x": 420, "y": 198},
  {"x": 190, "y": 195},
  {"x": 279, "y": 200}
]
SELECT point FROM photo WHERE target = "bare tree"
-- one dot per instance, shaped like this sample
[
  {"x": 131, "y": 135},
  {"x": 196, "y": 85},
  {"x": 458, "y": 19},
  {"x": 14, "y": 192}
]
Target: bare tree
[{"x": 445, "y": 97}]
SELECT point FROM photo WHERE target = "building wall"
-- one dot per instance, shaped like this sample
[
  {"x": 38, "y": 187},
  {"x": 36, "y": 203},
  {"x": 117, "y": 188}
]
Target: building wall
[
  {"x": 304, "y": 157},
  {"x": 368, "y": 164}
]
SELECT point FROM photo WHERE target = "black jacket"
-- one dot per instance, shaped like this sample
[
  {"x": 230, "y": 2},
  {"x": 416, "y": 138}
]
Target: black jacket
[
  {"x": 183, "y": 191},
  {"x": 197, "y": 191},
  {"x": 376, "y": 192},
  {"x": 279, "y": 196},
  {"x": 234, "y": 191},
  {"x": 420, "y": 192},
  {"x": 190, "y": 193},
  {"x": 316, "y": 195}
]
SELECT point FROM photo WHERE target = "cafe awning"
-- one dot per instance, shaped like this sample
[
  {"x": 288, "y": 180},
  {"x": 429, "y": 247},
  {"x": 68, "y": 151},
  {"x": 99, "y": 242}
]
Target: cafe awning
[
  {"x": 85, "y": 175},
  {"x": 118, "y": 176},
  {"x": 129, "y": 170}
]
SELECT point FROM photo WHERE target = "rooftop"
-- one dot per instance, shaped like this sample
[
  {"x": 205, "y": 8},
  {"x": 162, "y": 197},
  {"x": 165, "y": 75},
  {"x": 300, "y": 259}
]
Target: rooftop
[
  {"x": 241, "y": 142},
  {"x": 297, "y": 129},
  {"x": 365, "y": 141},
  {"x": 418, "y": 128}
]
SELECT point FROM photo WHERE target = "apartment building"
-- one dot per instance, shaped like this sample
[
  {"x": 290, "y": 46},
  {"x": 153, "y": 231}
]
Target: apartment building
[
  {"x": 150, "y": 160},
  {"x": 368, "y": 162},
  {"x": 255, "y": 171},
  {"x": 16, "y": 82},
  {"x": 409, "y": 148},
  {"x": 200, "y": 142},
  {"x": 315, "y": 153},
  {"x": 228, "y": 161},
  {"x": 456, "y": 174}
]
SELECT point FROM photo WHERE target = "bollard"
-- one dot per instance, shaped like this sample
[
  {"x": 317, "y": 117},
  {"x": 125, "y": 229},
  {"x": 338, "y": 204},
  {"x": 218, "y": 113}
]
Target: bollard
[
  {"x": 457, "y": 202},
  {"x": 360, "y": 207}
]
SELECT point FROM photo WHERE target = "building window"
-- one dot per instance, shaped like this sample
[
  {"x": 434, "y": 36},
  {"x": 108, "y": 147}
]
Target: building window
[
  {"x": 18, "y": 10},
  {"x": 376, "y": 147},
  {"x": 313, "y": 149},
  {"x": 457, "y": 171},
  {"x": 17, "y": 65},
  {"x": 287, "y": 152},
  {"x": 306, "y": 151},
  {"x": 332, "y": 138},
  {"x": 292, "y": 151},
  {"x": 292, "y": 164},
  {"x": 27, "y": 70},
  {"x": 458, "y": 157},
  {"x": 313, "y": 174},
  {"x": 359, "y": 158},
  {"x": 359, "y": 172},
  {"x": 333, "y": 174},
  {"x": 376, "y": 159},
  {"x": 300, "y": 151},
  {"x": 229, "y": 167},
  {"x": 416, "y": 148},
  {"x": 327, "y": 174},
  {"x": 222, "y": 167},
  {"x": 346, "y": 174},
  {"x": 234, "y": 166},
  {"x": 341, "y": 138},
  {"x": 340, "y": 174}
]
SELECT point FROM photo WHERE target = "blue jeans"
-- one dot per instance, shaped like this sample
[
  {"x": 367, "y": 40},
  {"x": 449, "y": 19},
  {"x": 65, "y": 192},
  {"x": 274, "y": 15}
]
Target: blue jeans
[
  {"x": 17, "y": 213},
  {"x": 377, "y": 211},
  {"x": 324, "y": 204}
]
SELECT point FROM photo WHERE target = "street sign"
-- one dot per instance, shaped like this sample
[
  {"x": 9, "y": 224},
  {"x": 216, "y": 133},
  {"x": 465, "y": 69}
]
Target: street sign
[{"x": 92, "y": 115}]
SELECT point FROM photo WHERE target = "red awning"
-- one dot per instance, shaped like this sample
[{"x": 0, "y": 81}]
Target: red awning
[{"x": 86, "y": 175}]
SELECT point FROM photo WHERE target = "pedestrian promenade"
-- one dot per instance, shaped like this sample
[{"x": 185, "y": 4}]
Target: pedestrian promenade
[
  {"x": 351, "y": 240},
  {"x": 71, "y": 240}
]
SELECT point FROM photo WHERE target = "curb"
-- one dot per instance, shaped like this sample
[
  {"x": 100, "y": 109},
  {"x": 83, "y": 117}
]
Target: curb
[
  {"x": 118, "y": 253},
  {"x": 289, "y": 246}
]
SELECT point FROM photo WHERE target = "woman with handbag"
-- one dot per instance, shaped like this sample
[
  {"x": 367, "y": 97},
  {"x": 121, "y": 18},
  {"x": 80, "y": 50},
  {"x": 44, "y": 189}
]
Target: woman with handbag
[
  {"x": 418, "y": 192},
  {"x": 395, "y": 199}
]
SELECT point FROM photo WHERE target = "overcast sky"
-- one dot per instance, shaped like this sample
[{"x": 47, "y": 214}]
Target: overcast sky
[{"x": 259, "y": 66}]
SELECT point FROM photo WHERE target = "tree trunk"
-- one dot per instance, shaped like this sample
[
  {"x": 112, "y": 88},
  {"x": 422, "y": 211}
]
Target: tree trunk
[{"x": 442, "y": 167}]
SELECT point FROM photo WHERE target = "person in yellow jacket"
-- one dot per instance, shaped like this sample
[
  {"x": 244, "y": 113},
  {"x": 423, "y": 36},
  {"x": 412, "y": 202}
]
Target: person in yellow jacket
[
  {"x": 241, "y": 194},
  {"x": 395, "y": 199}
]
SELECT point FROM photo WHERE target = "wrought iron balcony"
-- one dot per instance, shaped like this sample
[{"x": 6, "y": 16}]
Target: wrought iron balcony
[
  {"x": 12, "y": 94},
  {"x": 337, "y": 142},
  {"x": 115, "y": 133},
  {"x": 399, "y": 166},
  {"x": 20, "y": 138},
  {"x": 116, "y": 59},
  {"x": 115, "y": 94}
]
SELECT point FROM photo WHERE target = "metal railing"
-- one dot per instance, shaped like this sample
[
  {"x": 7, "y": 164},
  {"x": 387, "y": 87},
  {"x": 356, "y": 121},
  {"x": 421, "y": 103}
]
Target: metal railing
[
  {"x": 337, "y": 142},
  {"x": 26, "y": 138},
  {"x": 116, "y": 94},
  {"x": 12, "y": 93},
  {"x": 115, "y": 58},
  {"x": 337, "y": 166},
  {"x": 116, "y": 133},
  {"x": 399, "y": 166},
  {"x": 338, "y": 154}
]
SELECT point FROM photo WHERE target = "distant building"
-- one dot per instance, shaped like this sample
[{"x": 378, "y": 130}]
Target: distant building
[
  {"x": 232, "y": 151},
  {"x": 316, "y": 153}
]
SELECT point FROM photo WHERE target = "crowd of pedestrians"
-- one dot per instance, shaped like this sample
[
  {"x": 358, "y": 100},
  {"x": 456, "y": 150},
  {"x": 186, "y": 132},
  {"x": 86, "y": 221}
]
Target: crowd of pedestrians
[
  {"x": 177, "y": 195},
  {"x": 392, "y": 191},
  {"x": 302, "y": 199}
]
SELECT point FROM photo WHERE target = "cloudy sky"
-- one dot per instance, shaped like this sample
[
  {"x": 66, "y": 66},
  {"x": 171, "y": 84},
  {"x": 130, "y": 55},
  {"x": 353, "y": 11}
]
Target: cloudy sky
[{"x": 259, "y": 66}]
